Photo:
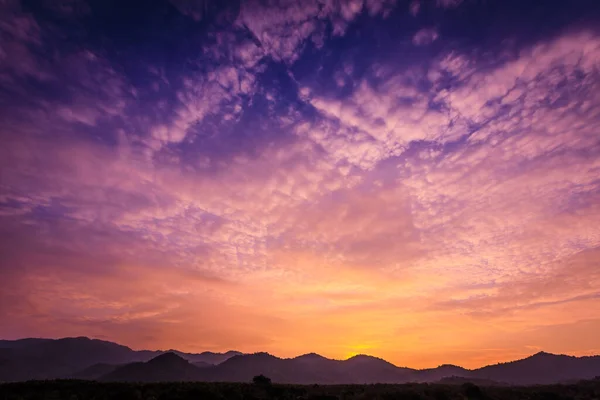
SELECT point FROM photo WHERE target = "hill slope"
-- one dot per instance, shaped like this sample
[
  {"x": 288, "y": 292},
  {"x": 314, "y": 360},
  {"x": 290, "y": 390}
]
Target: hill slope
[
  {"x": 48, "y": 359},
  {"x": 542, "y": 368},
  {"x": 27, "y": 359},
  {"x": 164, "y": 368}
]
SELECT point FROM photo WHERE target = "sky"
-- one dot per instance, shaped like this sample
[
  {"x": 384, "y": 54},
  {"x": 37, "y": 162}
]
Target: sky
[{"x": 414, "y": 180}]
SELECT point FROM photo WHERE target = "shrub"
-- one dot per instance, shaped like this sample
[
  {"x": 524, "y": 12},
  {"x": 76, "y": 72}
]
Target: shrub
[{"x": 261, "y": 380}]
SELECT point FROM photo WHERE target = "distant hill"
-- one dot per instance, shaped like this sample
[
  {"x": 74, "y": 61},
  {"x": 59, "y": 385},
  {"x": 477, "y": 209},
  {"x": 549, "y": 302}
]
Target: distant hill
[
  {"x": 306, "y": 369},
  {"x": 47, "y": 359},
  {"x": 201, "y": 364},
  {"x": 26, "y": 359},
  {"x": 95, "y": 371},
  {"x": 207, "y": 357},
  {"x": 166, "y": 367},
  {"x": 83, "y": 358},
  {"x": 459, "y": 380},
  {"x": 20, "y": 343},
  {"x": 542, "y": 368},
  {"x": 441, "y": 372},
  {"x": 242, "y": 368},
  {"x": 368, "y": 369}
]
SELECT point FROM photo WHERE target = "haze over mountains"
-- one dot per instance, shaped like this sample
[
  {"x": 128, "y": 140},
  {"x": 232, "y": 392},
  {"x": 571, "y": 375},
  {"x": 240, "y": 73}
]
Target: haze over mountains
[{"x": 83, "y": 358}]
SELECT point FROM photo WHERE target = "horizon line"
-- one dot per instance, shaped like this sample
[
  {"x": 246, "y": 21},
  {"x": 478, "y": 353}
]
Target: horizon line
[{"x": 300, "y": 355}]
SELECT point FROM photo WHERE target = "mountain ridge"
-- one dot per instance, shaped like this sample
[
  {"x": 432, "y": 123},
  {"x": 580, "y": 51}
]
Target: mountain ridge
[{"x": 94, "y": 359}]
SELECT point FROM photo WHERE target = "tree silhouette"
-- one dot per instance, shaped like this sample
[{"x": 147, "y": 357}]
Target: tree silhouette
[
  {"x": 472, "y": 391},
  {"x": 261, "y": 380}
]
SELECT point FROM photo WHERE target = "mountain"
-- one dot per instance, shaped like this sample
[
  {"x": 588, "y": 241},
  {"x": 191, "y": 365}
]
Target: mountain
[
  {"x": 459, "y": 380},
  {"x": 33, "y": 358},
  {"x": 94, "y": 372},
  {"x": 441, "y": 372},
  {"x": 20, "y": 343},
  {"x": 83, "y": 358},
  {"x": 367, "y": 369},
  {"x": 542, "y": 368},
  {"x": 313, "y": 368},
  {"x": 207, "y": 357},
  {"x": 48, "y": 359},
  {"x": 166, "y": 367},
  {"x": 242, "y": 368},
  {"x": 201, "y": 364},
  {"x": 307, "y": 369}
]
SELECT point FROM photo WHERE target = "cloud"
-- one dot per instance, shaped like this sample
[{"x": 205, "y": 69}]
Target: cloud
[
  {"x": 569, "y": 279},
  {"x": 415, "y": 6},
  {"x": 408, "y": 202},
  {"x": 284, "y": 29},
  {"x": 202, "y": 96},
  {"x": 21, "y": 34},
  {"x": 391, "y": 115},
  {"x": 425, "y": 36},
  {"x": 448, "y": 3},
  {"x": 200, "y": 10}
]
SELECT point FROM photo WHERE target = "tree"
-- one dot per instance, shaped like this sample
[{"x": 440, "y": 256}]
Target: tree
[
  {"x": 261, "y": 380},
  {"x": 472, "y": 391}
]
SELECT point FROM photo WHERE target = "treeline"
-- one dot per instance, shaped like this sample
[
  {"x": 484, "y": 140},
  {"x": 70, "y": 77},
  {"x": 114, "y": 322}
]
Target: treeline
[{"x": 263, "y": 390}]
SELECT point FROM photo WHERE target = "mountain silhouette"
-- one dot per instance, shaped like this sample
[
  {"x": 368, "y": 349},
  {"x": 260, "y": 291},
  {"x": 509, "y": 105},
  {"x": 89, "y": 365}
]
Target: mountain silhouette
[
  {"x": 83, "y": 358},
  {"x": 33, "y": 358},
  {"x": 242, "y": 368},
  {"x": 207, "y": 357},
  {"x": 166, "y": 367},
  {"x": 48, "y": 359},
  {"x": 95, "y": 371},
  {"x": 542, "y": 368},
  {"x": 201, "y": 364},
  {"x": 20, "y": 343},
  {"x": 459, "y": 380},
  {"x": 442, "y": 372},
  {"x": 367, "y": 369},
  {"x": 169, "y": 360}
]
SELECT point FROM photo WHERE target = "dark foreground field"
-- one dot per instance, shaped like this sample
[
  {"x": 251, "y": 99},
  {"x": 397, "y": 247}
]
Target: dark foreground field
[{"x": 80, "y": 390}]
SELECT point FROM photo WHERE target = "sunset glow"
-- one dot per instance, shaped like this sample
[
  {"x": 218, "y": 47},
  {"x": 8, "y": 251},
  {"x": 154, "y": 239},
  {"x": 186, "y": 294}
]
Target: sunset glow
[{"x": 414, "y": 180}]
